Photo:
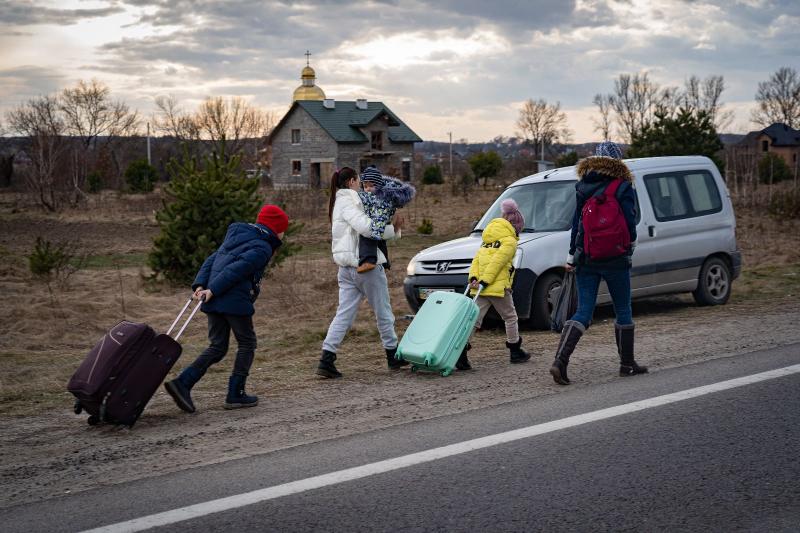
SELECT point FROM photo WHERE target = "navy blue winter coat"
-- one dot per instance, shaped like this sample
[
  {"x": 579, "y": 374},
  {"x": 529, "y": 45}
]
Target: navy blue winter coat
[
  {"x": 595, "y": 173},
  {"x": 233, "y": 273}
]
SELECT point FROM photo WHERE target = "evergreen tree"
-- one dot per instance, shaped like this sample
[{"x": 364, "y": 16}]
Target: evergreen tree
[
  {"x": 686, "y": 133},
  {"x": 203, "y": 200},
  {"x": 485, "y": 165}
]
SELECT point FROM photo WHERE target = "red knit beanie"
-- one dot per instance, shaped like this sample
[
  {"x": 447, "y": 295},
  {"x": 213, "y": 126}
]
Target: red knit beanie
[{"x": 274, "y": 218}]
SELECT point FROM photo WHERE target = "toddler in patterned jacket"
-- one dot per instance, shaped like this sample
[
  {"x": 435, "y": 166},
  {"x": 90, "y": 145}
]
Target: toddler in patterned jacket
[{"x": 382, "y": 196}]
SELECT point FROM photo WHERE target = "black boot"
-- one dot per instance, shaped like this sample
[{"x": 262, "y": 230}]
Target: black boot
[
  {"x": 236, "y": 396},
  {"x": 570, "y": 336},
  {"x": 326, "y": 368},
  {"x": 392, "y": 361},
  {"x": 463, "y": 361},
  {"x": 518, "y": 355},
  {"x": 181, "y": 387},
  {"x": 624, "y": 337}
]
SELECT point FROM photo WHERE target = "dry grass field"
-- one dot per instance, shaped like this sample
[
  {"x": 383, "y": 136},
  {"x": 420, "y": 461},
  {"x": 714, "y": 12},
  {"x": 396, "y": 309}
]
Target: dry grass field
[{"x": 46, "y": 328}]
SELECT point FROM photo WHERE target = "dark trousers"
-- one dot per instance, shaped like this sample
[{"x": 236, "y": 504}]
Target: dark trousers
[
  {"x": 219, "y": 333},
  {"x": 368, "y": 251}
]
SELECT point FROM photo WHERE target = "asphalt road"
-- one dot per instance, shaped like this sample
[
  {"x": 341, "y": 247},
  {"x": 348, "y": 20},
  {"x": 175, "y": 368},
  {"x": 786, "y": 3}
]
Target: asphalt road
[{"x": 725, "y": 460}]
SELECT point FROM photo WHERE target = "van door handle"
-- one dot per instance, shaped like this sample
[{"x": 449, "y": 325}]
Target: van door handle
[{"x": 651, "y": 231}]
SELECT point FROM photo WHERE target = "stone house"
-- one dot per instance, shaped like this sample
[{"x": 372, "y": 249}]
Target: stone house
[
  {"x": 316, "y": 137},
  {"x": 779, "y": 139}
]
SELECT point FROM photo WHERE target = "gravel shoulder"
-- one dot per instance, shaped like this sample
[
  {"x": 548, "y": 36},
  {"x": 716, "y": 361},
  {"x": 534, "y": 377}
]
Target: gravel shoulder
[{"x": 46, "y": 455}]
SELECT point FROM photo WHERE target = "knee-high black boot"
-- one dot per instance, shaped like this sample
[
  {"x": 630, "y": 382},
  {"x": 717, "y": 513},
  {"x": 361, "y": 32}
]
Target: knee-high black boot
[
  {"x": 624, "y": 337},
  {"x": 570, "y": 335}
]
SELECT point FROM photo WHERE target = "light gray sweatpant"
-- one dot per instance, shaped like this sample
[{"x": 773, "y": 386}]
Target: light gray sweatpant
[
  {"x": 353, "y": 288},
  {"x": 505, "y": 308}
]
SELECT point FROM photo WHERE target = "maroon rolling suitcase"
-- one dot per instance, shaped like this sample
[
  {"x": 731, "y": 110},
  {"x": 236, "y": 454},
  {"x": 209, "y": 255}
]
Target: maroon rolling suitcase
[{"x": 124, "y": 369}]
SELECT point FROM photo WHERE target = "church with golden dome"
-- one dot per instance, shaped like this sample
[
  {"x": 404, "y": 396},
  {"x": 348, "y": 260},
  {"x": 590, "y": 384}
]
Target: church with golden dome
[{"x": 317, "y": 135}]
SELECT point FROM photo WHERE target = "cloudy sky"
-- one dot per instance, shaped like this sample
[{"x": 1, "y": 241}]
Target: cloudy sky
[{"x": 450, "y": 65}]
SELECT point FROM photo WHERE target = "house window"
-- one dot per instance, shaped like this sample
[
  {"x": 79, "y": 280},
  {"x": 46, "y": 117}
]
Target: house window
[
  {"x": 765, "y": 146},
  {"x": 295, "y": 136},
  {"x": 296, "y": 167},
  {"x": 377, "y": 140},
  {"x": 406, "y": 170}
]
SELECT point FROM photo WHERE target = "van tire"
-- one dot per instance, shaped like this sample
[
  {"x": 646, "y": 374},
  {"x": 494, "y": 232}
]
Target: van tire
[
  {"x": 715, "y": 282},
  {"x": 541, "y": 306}
]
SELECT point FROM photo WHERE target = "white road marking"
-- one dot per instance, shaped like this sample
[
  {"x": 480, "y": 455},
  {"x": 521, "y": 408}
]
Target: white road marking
[{"x": 358, "y": 472}]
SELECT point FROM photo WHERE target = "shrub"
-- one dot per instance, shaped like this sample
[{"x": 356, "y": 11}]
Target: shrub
[
  {"x": 567, "y": 160},
  {"x": 94, "y": 181},
  {"x": 426, "y": 227},
  {"x": 775, "y": 165},
  {"x": 785, "y": 204},
  {"x": 204, "y": 199},
  {"x": 140, "y": 176},
  {"x": 432, "y": 175},
  {"x": 54, "y": 262},
  {"x": 485, "y": 165}
]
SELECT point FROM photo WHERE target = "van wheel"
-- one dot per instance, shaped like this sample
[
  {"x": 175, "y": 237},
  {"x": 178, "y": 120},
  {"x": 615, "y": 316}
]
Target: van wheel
[
  {"x": 545, "y": 294},
  {"x": 714, "y": 285}
]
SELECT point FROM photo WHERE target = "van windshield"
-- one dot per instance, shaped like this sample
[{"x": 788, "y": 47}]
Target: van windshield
[{"x": 546, "y": 206}]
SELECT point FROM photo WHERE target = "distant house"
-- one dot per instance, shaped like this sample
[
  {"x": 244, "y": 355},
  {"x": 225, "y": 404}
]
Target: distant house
[
  {"x": 778, "y": 139},
  {"x": 318, "y": 135}
]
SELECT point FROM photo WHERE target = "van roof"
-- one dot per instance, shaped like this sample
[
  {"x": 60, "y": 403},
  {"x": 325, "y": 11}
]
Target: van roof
[{"x": 636, "y": 164}]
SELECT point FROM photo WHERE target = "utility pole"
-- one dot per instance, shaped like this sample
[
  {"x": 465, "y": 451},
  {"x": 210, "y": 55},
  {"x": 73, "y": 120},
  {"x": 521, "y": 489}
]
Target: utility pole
[
  {"x": 148, "y": 144},
  {"x": 450, "y": 133}
]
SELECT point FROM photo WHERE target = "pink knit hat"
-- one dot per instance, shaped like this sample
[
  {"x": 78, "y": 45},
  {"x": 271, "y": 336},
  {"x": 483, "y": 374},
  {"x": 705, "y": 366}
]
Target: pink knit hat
[{"x": 510, "y": 211}]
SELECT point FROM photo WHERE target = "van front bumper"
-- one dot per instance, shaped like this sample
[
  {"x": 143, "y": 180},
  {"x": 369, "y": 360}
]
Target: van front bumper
[{"x": 524, "y": 280}]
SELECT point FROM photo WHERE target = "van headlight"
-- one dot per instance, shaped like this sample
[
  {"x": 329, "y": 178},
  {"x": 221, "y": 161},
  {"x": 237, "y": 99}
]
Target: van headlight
[
  {"x": 411, "y": 269},
  {"x": 517, "y": 261}
]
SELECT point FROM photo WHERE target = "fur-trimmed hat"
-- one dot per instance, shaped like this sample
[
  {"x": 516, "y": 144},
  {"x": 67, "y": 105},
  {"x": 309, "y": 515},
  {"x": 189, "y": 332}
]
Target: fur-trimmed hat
[
  {"x": 371, "y": 174},
  {"x": 608, "y": 149},
  {"x": 510, "y": 211}
]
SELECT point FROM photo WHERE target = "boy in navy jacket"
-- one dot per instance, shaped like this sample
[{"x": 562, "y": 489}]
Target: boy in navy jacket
[{"x": 229, "y": 283}]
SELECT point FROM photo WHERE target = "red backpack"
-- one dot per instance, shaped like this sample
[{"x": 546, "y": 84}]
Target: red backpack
[{"x": 605, "y": 232}]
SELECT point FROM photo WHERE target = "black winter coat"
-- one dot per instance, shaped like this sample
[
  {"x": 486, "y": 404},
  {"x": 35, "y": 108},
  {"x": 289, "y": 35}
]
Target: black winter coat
[{"x": 595, "y": 173}]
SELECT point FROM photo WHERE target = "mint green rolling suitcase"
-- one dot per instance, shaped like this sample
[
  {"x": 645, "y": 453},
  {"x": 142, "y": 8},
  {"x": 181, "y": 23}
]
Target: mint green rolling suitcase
[{"x": 439, "y": 332}]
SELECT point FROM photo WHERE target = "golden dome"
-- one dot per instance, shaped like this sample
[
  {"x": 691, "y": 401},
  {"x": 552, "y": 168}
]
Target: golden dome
[
  {"x": 308, "y": 93},
  {"x": 308, "y": 90}
]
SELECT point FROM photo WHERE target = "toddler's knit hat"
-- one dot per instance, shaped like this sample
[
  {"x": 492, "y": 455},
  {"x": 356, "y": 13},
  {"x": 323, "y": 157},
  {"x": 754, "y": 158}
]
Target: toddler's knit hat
[
  {"x": 274, "y": 218},
  {"x": 510, "y": 211},
  {"x": 373, "y": 175},
  {"x": 608, "y": 149}
]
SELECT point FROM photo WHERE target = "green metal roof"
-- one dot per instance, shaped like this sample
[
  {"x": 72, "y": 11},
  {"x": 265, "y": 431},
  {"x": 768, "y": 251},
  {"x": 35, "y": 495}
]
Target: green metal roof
[{"x": 342, "y": 122}]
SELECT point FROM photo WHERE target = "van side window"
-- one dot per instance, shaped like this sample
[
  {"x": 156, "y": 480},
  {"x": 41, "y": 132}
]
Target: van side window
[{"x": 686, "y": 194}]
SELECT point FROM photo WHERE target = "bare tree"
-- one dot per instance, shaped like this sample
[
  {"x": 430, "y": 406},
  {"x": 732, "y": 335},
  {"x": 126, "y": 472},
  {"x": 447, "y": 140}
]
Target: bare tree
[
  {"x": 778, "y": 99},
  {"x": 542, "y": 123},
  {"x": 241, "y": 126},
  {"x": 706, "y": 95},
  {"x": 603, "y": 124},
  {"x": 41, "y": 121},
  {"x": 634, "y": 103},
  {"x": 89, "y": 113}
]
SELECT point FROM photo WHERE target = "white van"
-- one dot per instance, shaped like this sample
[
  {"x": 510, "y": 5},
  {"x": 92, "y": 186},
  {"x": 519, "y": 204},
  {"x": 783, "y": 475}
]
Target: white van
[{"x": 686, "y": 238}]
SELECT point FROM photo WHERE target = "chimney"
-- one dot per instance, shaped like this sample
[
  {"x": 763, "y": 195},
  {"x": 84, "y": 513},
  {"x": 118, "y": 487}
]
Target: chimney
[
  {"x": 329, "y": 103},
  {"x": 361, "y": 103}
]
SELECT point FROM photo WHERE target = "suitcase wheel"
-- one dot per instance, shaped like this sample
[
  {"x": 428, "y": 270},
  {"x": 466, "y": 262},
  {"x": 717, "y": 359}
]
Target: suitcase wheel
[
  {"x": 414, "y": 368},
  {"x": 446, "y": 372},
  {"x": 77, "y": 408},
  {"x": 93, "y": 420}
]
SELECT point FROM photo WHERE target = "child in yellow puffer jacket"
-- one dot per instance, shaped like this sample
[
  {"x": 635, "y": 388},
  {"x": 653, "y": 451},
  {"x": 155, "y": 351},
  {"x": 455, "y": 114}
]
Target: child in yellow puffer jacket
[{"x": 492, "y": 268}]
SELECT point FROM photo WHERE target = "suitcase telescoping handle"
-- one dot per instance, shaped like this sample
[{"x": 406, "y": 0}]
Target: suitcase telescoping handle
[
  {"x": 177, "y": 318},
  {"x": 480, "y": 288}
]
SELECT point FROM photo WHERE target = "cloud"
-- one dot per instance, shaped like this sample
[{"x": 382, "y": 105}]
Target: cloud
[
  {"x": 25, "y": 82},
  {"x": 26, "y": 13}
]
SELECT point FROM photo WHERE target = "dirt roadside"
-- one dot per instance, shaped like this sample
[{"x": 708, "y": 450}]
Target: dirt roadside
[{"x": 45, "y": 456}]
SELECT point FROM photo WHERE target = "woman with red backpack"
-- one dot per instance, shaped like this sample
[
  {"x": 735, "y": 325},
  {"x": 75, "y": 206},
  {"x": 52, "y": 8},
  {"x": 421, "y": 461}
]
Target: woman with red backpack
[{"x": 601, "y": 245}]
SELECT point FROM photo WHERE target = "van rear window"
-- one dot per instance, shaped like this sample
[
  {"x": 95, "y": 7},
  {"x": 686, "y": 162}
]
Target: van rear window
[{"x": 684, "y": 194}]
